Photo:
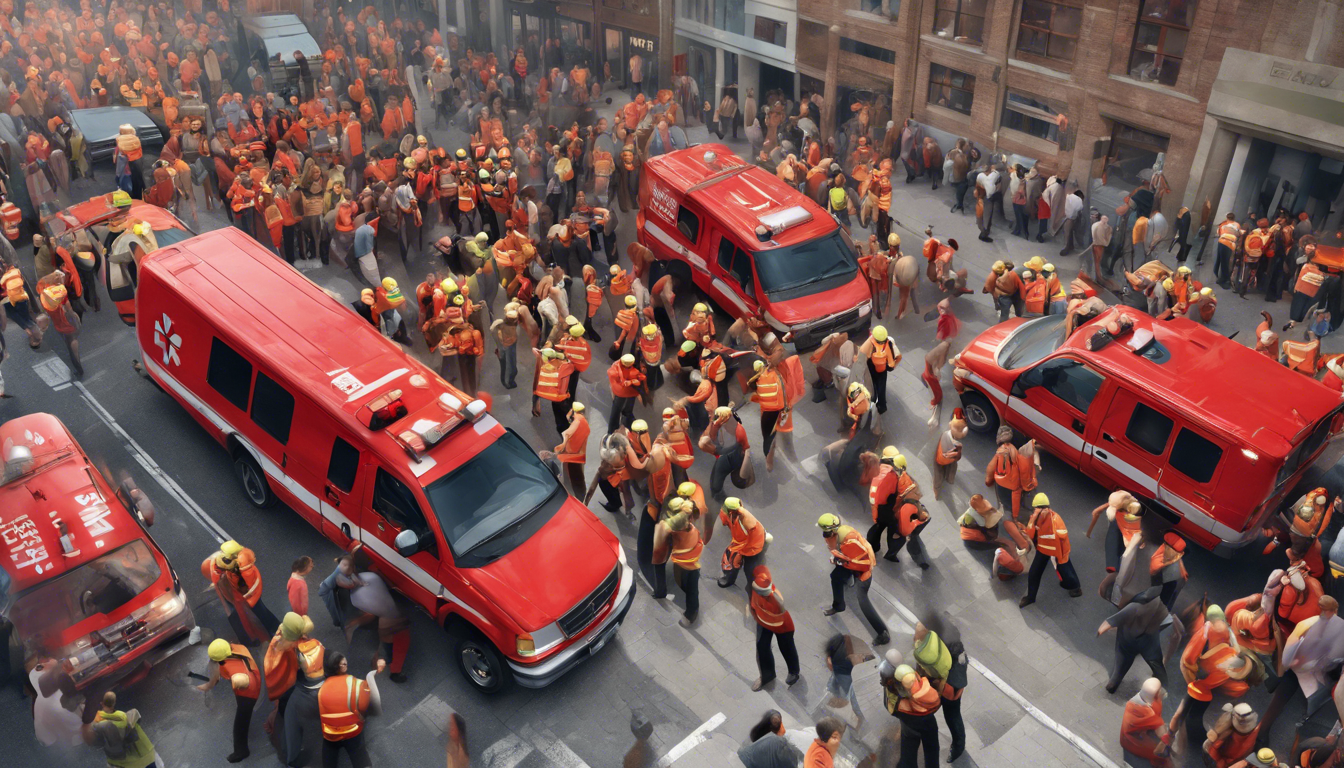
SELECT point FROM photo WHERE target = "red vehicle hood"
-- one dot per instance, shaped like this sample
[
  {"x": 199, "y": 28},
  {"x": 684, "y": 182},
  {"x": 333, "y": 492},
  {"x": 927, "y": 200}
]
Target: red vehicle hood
[
  {"x": 983, "y": 347},
  {"x": 815, "y": 306},
  {"x": 552, "y": 571}
]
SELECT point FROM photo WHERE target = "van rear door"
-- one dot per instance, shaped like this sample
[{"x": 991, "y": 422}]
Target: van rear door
[{"x": 1131, "y": 443}]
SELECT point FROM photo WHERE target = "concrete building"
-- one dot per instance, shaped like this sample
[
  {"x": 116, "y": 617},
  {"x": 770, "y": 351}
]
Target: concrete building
[
  {"x": 747, "y": 43},
  {"x": 1098, "y": 89}
]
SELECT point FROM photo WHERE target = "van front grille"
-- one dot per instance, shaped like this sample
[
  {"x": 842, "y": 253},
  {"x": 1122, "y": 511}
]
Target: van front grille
[{"x": 581, "y": 615}]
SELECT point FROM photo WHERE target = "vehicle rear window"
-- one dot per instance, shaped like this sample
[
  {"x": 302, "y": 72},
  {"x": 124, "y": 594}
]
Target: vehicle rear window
[
  {"x": 1195, "y": 457},
  {"x": 272, "y": 408},
  {"x": 344, "y": 464},
  {"x": 1148, "y": 429},
  {"x": 170, "y": 236},
  {"x": 688, "y": 224},
  {"x": 100, "y": 586},
  {"x": 229, "y": 374}
]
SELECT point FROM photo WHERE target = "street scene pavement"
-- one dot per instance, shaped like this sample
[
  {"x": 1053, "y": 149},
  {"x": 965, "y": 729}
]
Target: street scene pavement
[{"x": 1035, "y": 695}]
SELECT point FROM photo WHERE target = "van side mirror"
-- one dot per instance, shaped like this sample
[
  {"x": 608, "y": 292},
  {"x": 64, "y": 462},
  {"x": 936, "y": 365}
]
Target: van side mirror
[
  {"x": 137, "y": 502},
  {"x": 407, "y": 543}
]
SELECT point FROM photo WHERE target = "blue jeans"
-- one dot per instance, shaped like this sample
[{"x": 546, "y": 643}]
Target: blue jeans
[{"x": 508, "y": 366}]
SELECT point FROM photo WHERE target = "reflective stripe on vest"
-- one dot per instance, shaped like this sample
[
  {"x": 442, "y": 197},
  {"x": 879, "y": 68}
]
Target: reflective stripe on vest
[
  {"x": 548, "y": 384},
  {"x": 341, "y": 723}
]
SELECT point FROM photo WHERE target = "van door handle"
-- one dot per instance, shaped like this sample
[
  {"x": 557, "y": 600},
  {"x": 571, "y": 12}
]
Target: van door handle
[
  {"x": 332, "y": 497},
  {"x": 1078, "y": 425},
  {"x": 1107, "y": 438},
  {"x": 1100, "y": 454},
  {"x": 381, "y": 528}
]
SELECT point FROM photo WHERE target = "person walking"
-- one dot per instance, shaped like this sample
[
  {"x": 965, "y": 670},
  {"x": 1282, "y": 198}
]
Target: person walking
[
  {"x": 1046, "y": 530},
  {"x": 1138, "y": 629},
  {"x": 769, "y": 393},
  {"x": 773, "y": 622},
  {"x": 853, "y": 559},
  {"x": 677, "y": 538},
  {"x": 237, "y": 580},
  {"x": 344, "y": 705},
  {"x": 912, "y": 699},
  {"x": 1002, "y": 474},
  {"x": 234, "y": 662},
  {"x": 747, "y": 545},
  {"x": 505, "y": 330},
  {"x": 947, "y": 455},
  {"x": 297, "y": 586},
  {"x": 120, "y": 735},
  {"x": 301, "y": 710},
  {"x": 726, "y": 439},
  {"x": 55, "y": 301},
  {"x": 886, "y": 495},
  {"x": 1229, "y": 235},
  {"x": 552, "y": 376},
  {"x": 882, "y": 356},
  {"x": 573, "y": 448},
  {"x": 626, "y": 382},
  {"x": 941, "y": 657}
]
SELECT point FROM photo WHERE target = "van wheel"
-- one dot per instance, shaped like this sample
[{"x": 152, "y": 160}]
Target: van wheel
[
  {"x": 980, "y": 414},
  {"x": 253, "y": 480},
  {"x": 482, "y": 665}
]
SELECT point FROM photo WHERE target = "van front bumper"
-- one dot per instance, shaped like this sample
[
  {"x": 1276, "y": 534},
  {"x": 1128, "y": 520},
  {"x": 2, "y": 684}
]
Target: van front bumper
[
  {"x": 809, "y": 335},
  {"x": 551, "y": 669}
]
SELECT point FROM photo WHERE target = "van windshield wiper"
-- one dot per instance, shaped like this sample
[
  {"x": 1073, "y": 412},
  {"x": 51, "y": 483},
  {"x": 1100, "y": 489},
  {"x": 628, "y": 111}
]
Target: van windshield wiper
[{"x": 512, "y": 525}]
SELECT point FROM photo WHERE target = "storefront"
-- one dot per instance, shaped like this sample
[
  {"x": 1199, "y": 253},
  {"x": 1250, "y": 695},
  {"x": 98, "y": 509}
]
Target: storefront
[
  {"x": 698, "y": 62},
  {"x": 619, "y": 49},
  {"x": 532, "y": 25}
]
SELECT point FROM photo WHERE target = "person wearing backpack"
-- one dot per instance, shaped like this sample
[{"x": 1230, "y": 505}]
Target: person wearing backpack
[{"x": 120, "y": 736}]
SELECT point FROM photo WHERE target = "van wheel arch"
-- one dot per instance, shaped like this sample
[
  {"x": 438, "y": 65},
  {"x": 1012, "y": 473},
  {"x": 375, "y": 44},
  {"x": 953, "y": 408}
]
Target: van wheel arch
[
  {"x": 250, "y": 476},
  {"x": 981, "y": 416},
  {"x": 478, "y": 660}
]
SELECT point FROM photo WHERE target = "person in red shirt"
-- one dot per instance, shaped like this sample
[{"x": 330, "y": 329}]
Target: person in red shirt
[
  {"x": 297, "y": 587},
  {"x": 626, "y": 382}
]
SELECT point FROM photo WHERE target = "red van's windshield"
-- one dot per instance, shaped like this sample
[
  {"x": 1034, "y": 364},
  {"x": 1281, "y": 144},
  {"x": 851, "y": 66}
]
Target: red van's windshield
[
  {"x": 99, "y": 586},
  {"x": 811, "y": 267}
]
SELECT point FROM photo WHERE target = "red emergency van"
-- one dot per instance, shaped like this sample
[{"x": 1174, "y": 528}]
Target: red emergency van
[
  {"x": 318, "y": 409},
  {"x": 1208, "y": 433},
  {"x": 86, "y": 584},
  {"x": 752, "y": 243}
]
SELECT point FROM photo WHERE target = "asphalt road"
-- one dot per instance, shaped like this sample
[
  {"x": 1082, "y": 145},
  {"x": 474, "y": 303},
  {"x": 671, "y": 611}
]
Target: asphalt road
[{"x": 693, "y": 685}]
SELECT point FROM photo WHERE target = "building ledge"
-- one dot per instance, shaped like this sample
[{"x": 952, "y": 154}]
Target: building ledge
[
  {"x": 1041, "y": 147},
  {"x": 966, "y": 49},
  {"x": 1040, "y": 70},
  {"x": 950, "y": 114},
  {"x": 1155, "y": 87},
  {"x": 874, "y": 18}
]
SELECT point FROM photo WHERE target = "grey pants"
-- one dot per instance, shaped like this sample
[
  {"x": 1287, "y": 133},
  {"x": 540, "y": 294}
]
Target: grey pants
[
  {"x": 301, "y": 712},
  {"x": 310, "y": 227},
  {"x": 508, "y": 367}
]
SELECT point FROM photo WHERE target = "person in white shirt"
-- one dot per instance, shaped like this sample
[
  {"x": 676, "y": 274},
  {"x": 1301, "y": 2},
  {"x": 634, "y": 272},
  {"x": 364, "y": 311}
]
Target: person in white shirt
[
  {"x": 1073, "y": 212},
  {"x": 1101, "y": 240}
]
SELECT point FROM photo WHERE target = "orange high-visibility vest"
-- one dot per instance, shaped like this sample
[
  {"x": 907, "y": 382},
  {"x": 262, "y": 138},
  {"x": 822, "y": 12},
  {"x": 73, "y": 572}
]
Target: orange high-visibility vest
[
  {"x": 625, "y": 319},
  {"x": 1050, "y": 536},
  {"x": 1227, "y": 235},
  {"x": 770, "y": 391},
  {"x": 620, "y": 283},
  {"x": 1035, "y": 296},
  {"x": 577, "y": 351},
  {"x": 12, "y": 281},
  {"x": 768, "y": 614},
  {"x": 745, "y": 542},
  {"x": 594, "y": 296},
  {"x": 240, "y": 662},
  {"x": 552, "y": 382},
  {"x": 882, "y": 487},
  {"x": 624, "y": 381},
  {"x": 854, "y": 547},
  {"x": 686, "y": 548},
  {"x": 341, "y": 702},
  {"x": 314, "y": 654},
  {"x": 651, "y": 349},
  {"x": 923, "y": 700},
  {"x": 575, "y": 448},
  {"x": 883, "y": 356}
]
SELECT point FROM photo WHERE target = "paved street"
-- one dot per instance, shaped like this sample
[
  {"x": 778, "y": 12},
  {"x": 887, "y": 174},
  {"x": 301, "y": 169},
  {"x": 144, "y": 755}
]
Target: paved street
[{"x": 1035, "y": 695}]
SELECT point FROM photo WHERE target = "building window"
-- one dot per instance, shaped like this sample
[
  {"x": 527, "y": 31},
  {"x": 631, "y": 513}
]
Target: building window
[
  {"x": 890, "y": 8},
  {"x": 1031, "y": 115},
  {"x": 960, "y": 20},
  {"x": 1159, "y": 41},
  {"x": 951, "y": 89},
  {"x": 870, "y": 51},
  {"x": 771, "y": 31},
  {"x": 731, "y": 16},
  {"x": 1049, "y": 29}
]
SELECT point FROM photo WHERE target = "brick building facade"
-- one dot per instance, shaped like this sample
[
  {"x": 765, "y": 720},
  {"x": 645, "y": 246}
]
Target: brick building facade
[{"x": 1091, "y": 89}]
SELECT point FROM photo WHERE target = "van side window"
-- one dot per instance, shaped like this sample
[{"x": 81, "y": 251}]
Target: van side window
[
  {"x": 737, "y": 263},
  {"x": 1067, "y": 379},
  {"x": 1195, "y": 457},
  {"x": 343, "y": 466},
  {"x": 272, "y": 408},
  {"x": 688, "y": 224},
  {"x": 395, "y": 502},
  {"x": 1148, "y": 429},
  {"x": 229, "y": 374}
]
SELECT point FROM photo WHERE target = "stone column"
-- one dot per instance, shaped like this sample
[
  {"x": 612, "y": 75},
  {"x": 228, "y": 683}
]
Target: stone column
[
  {"x": 1214, "y": 156},
  {"x": 1233, "y": 184},
  {"x": 831, "y": 92}
]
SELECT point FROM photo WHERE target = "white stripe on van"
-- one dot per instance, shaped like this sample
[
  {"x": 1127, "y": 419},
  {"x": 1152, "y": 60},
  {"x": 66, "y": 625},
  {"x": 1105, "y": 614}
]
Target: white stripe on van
[
  {"x": 1063, "y": 433},
  {"x": 374, "y": 385},
  {"x": 412, "y": 570},
  {"x": 659, "y": 234}
]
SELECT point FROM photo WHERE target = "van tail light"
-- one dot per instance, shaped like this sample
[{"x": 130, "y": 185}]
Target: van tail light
[{"x": 386, "y": 409}]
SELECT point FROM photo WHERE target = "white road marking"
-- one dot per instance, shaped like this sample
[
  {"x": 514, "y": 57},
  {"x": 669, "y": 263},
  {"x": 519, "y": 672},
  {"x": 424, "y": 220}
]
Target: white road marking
[
  {"x": 505, "y": 753},
  {"x": 147, "y": 462},
  {"x": 556, "y": 751},
  {"x": 1092, "y": 753},
  {"x": 698, "y": 736},
  {"x": 54, "y": 372}
]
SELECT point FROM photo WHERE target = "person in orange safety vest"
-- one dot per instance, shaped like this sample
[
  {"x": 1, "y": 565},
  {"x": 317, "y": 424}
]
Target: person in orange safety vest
[
  {"x": 627, "y": 321},
  {"x": 344, "y": 702},
  {"x": 1002, "y": 474},
  {"x": 1212, "y": 662},
  {"x": 1046, "y": 530},
  {"x": 947, "y": 455},
  {"x": 1143, "y": 732},
  {"x": 650, "y": 345},
  {"x": 233, "y": 571},
  {"x": 552, "y": 383},
  {"x": 773, "y": 623},
  {"x": 882, "y": 357},
  {"x": 676, "y": 429},
  {"x": 853, "y": 559},
  {"x": 1233, "y": 735},
  {"x": 747, "y": 546},
  {"x": 769, "y": 392},
  {"x": 573, "y": 448},
  {"x": 914, "y": 701},
  {"x": 234, "y": 662},
  {"x": 677, "y": 539},
  {"x": 578, "y": 353},
  {"x": 627, "y": 381},
  {"x": 592, "y": 293}
]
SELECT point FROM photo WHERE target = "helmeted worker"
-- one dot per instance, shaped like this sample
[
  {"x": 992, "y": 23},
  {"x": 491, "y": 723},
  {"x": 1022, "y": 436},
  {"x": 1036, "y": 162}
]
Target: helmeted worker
[
  {"x": 233, "y": 571},
  {"x": 592, "y": 294},
  {"x": 651, "y": 355},
  {"x": 627, "y": 320},
  {"x": 1002, "y": 474},
  {"x": 1229, "y": 233},
  {"x": 1212, "y": 662},
  {"x": 573, "y": 448},
  {"x": 943, "y": 661},
  {"x": 1047, "y": 532},
  {"x": 889, "y": 490},
  {"x": 747, "y": 547},
  {"x": 1233, "y": 735},
  {"x": 700, "y": 403},
  {"x": 947, "y": 455},
  {"x": 770, "y": 394},
  {"x": 577, "y": 352},
  {"x": 727, "y": 439},
  {"x": 773, "y": 622},
  {"x": 700, "y": 330},
  {"x": 914, "y": 701},
  {"x": 1265, "y": 757},
  {"x": 1143, "y": 732},
  {"x": 677, "y": 430},
  {"x": 234, "y": 662},
  {"x": 302, "y": 710},
  {"x": 626, "y": 383},
  {"x": 553, "y": 373},
  {"x": 677, "y": 539},
  {"x": 882, "y": 357},
  {"x": 656, "y": 461},
  {"x": 344, "y": 702},
  {"x": 853, "y": 559}
]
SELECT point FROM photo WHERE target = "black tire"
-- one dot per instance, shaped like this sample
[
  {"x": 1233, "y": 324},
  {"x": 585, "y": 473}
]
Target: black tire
[
  {"x": 481, "y": 664},
  {"x": 981, "y": 417},
  {"x": 253, "y": 480}
]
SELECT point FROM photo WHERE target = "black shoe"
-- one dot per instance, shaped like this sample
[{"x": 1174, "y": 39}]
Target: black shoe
[
  {"x": 832, "y": 611},
  {"x": 986, "y": 239},
  {"x": 1040, "y": 239},
  {"x": 882, "y": 408},
  {"x": 1076, "y": 592},
  {"x": 724, "y": 582},
  {"x": 662, "y": 596},
  {"x": 398, "y": 677},
  {"x": 791, "y": 679},
  {"x": 891, "y": 557},
  {"x": 956, "y": 751},
  {"x": 760, "y": 683},
  {"x": 1025, "y": 601},
  {"x": 953, "y": 209},
  {"x": 238, "y": 757},
  {"x": 1111, "y": 688},
  {"x": 882, "y": 639},
  {"x": 687, "y": 621},
  {"x": 819, "y": 396},
  {"x": 613, "y": 508},
  {"x": 924, "y": 566}
]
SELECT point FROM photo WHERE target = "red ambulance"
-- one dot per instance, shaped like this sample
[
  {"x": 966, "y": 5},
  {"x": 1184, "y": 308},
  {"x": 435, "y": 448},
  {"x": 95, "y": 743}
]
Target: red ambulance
[
  {"x": 752, "y": 243},
  {"x": 1207, "y": 433},
  {"x": 317, "y": 409},
  {"x": 87, "y": 585}
]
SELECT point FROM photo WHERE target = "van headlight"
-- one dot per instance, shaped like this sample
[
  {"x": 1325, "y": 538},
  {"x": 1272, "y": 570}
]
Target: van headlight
[
  {"x": 774, "y": 322},
  {"x": 525, "y": 645},
  {"x": 165, "y": 607},
  {"x": 865, "y": 307}
]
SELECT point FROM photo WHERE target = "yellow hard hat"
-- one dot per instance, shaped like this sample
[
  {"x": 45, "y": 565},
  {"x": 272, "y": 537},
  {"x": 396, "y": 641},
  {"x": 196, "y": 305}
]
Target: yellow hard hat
[
  {"x": 1182, "y": 270},
  {"x": 1040, "y": 500},
  {"x": 576, "y": 407},
  {"x": 219, "y": 649},
  {"x": 449, "y": 285},
  {"x": 722, "y": 411},
  {"x": 292, "y": 627},
  {"x": 880, "y": 333},
  {"x": 903, "y": 671},
  {"x": 856, "y": 389},
  {"x": 894, "y": 240},
  {"x": 758, "y": 366},
  {"x": 631, "y": 302},
  {"x": 1168, "y": 285},
  {"x": 1035, "y": 263},
  {"x": 732, "y": 503},
  {"x": 230, "y": 548},
  {"x": 140, "y": 228},
  {"x": 1206, "y": 291},
  {"x": 627, "y": 360},
  {"x": 999, "y": 267},
  {"x": 650, "y": 330},
  {"x": 700, "y": 307},
  {"x": 890, "y": 452},
  {"x": 120, "y": 199},
  {"x": 668, "y": 413},
  {"x": 828, "y": 522},
  {"x": 389, "y": 284},
  {"x": 1048, "y": 267},
  {"x": 459, "y": 300},
  {"x": 686, "y": 489},
  {"x": 615, "y": 269},
  {"x": 571, "y": 320},
  {"x": 549, "y": 354},
  {"x": 898, "y": 461},
  {"x": 576, "y": 330},
  {"x": 421, "y": 140},
  {"x": 675, "y": 504},
  {"x": 639, "y": 425},
  {"x": 687, "y": 346},
  {"x": 408, "y": 163}
]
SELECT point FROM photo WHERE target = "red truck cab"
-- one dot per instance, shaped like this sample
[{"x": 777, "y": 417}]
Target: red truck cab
[
  {"x": 1208, "y": 433},
  {"x": 87, "y": 585},
  {"x": 753, "y": 244},
  {"x": 316, "y": 408}
]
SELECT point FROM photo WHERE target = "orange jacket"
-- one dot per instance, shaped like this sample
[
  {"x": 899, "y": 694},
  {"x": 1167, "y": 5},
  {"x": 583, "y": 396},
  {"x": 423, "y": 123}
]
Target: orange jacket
[
  {"x": 853, "y": 551},
  {"x": 574, "y": 446},
  {"x": 1047, "y": 531},
  {"x": 624, "y": 381},
  {"x": 553, "y": 380},
  {"x": 769, "y": 391},
  {"x": 745, "y": 542},
  {"x": 578, "y": 352},
  {"x": 1138, "y": 727}
]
